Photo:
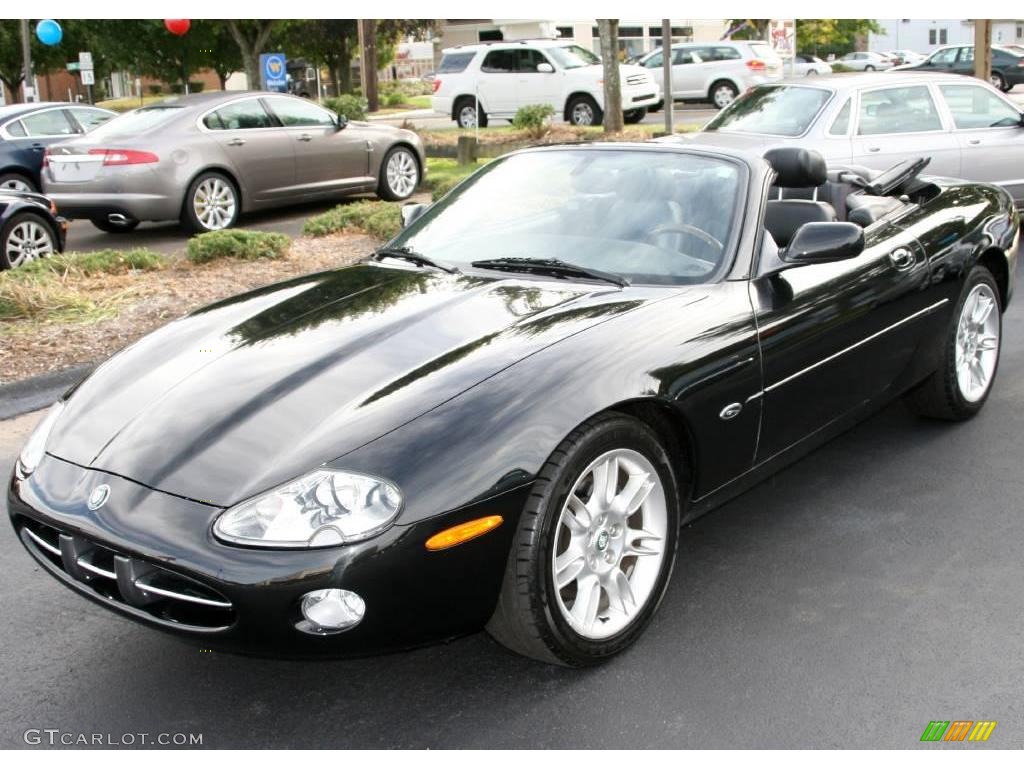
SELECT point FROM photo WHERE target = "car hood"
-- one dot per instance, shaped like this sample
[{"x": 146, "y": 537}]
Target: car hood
[{"x": 250, "y": 392}]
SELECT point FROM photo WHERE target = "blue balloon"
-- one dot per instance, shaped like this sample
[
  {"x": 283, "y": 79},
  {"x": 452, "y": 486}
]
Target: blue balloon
[{"x": 49, "y": 32}]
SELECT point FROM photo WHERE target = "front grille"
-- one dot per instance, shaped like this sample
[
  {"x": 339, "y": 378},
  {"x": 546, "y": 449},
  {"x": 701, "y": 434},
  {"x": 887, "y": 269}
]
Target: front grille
[
  {"x": 142, "y": 587},
  {"x": 637, "y": 80}
]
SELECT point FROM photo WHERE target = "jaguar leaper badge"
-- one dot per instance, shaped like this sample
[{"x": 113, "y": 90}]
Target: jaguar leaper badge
[{"x": 99, "y": 496}]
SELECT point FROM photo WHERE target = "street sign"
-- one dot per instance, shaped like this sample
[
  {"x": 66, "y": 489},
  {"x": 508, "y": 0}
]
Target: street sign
[
  {"x": 72, "y": 66},
  {"x": 273, "y": 72},
  {"x": 88, "y": 77},
  {"x": 85, "y": 60}
]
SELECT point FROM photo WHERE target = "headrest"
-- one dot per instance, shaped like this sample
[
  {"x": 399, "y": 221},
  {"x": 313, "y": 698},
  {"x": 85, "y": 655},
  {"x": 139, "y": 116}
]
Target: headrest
[{"x": 797, "y": 167}]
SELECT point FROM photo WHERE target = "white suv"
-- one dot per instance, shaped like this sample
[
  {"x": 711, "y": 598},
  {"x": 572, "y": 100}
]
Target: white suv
[
  {"x": 502, "y": 77},
  {"x": 717, "y": 72}
]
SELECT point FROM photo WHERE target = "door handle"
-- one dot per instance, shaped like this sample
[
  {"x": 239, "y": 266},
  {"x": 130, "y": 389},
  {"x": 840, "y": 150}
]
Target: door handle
[
  {"x": 902, "y": 258},
  {"x": 236, "y": 142},
  {"x": 874, "y": 149},
  {"x": 974, "y": 141},
  {"x": 306, "y": 137}
]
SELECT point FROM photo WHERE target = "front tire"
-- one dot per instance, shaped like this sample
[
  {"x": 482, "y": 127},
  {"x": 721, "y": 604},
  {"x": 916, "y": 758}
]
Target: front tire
[
  {"x": 583, "y": 111},
  {"x": 211, "y": 203},
  {"x": 595, "y": 546},
  {"x": 869, "y": 68},
  {"x": 634, "y": 116},
  {"x": 17, "y": 182},
  {"x": 25, "y": 237},
  {"x": 969, "y": 359},
  {"x": 399, "y": 174}
]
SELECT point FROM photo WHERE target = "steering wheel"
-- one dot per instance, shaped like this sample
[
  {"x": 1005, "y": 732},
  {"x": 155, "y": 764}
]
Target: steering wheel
[{"x": 686, "y": 229}]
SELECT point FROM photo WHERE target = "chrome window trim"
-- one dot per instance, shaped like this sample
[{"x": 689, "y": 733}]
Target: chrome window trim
[{"x": 32, "y": 113}]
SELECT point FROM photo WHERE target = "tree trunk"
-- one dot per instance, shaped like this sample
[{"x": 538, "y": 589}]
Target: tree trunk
[
  {"x": 14, "y": 86},
  {"x": 250, "y": 43},
  {"x": 609, "y": 31},
  {"x": 368, "y": 65}
]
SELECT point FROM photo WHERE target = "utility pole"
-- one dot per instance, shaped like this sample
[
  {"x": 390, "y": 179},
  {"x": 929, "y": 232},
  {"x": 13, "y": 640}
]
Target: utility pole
[
  {"x": 666, "y": 74},
  {"x": 368, "y": 62},
  {"x": 26, "y": 63},
  {"x": 983, "y": 49}
]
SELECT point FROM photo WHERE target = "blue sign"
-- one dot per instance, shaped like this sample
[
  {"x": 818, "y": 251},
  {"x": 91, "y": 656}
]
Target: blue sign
[{"x": 273, "y": 72}]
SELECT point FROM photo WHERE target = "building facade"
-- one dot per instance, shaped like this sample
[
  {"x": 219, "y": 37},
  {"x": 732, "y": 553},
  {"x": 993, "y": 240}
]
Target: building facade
[{"x": 926, "y": 35}]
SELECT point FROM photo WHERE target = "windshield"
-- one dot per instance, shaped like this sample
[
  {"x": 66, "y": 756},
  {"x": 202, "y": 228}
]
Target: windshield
[
  {"x": 777, "y": 110},
  {"x": 647, "y": 216},
  {"x": 573, "y": 56},
  {"x": 136, "y": 121}
]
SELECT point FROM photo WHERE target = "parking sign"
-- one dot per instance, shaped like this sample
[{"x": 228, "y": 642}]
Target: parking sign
[{"x": 273, "y": 72}]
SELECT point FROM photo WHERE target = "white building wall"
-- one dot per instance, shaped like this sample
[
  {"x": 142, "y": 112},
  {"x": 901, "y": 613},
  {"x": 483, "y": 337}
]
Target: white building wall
[{"x": 921, "y": 35}]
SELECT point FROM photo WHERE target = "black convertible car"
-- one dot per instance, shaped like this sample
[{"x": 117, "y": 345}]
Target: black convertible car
[{"x": 502, "y": 417}]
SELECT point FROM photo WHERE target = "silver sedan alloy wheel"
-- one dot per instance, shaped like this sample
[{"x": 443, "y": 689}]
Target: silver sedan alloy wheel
[
  {"x": 977, "y": 343},
  {"x": 18, "y": 185},
  {"x": 402, "y": 173},
  {"x": 214, "y": 204},
  {"x": 609, "y": 544},
  {"x": 582, "y": 113},
  {"x": 26, "y": 242}
]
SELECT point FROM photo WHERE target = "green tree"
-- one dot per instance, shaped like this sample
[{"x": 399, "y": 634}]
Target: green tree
[
  {"x": 838, "y": 36},
  {"x": 45, "y": 58},
  {"x": 251, "y": 37},
  {"x": 748, "y": 29},
  {"x": 324, "y": 42}
]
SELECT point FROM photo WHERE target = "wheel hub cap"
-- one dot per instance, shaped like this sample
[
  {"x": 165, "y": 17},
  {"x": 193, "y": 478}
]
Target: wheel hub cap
[
  {"x": 402, "y": 174},
  {"x": 977, "y": 343},
  {"x": 214, "y": 204},
  {"x": 610, "y": 544},
  {"x": 27, "y": 242}
]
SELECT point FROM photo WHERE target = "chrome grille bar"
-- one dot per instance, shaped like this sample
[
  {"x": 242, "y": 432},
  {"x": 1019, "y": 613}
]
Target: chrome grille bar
[
  {"x": 83, "y": 563},
  {"x": 42, "y": 542},
  {"x": 179, "y": 595}
]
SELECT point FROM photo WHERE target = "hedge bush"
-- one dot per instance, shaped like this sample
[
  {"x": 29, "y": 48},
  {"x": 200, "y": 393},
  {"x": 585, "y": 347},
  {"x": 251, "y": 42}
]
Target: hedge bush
[
  {"x": 533, "y": 118},
  {"x": 236, "y": 244},
  {"x": 374, "y": 217},
  {"x": 352, "y": 107}
]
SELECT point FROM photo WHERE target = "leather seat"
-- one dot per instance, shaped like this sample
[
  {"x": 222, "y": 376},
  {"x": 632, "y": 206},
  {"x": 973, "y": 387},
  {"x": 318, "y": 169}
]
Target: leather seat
[
  {"x": 867, "y": 209},
  {"x": 795, "y": 167}
]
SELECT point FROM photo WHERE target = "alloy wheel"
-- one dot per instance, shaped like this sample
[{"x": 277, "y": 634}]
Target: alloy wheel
[
  {"x": 977, "y": 343},
  {"x": 214, "y": 204},
  {"x": 467, "y": 116},
  {"x": 582, "y": 114},
  {"x": 18, "y": 185},
  {"x": 609, "y": 544},
  {"x": 402, "y": 173},
  {"x": 27, "y": 241}
]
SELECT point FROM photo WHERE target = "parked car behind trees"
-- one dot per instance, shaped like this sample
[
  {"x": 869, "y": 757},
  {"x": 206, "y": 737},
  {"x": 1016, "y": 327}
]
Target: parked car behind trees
[{"x": 206, "y": 158}]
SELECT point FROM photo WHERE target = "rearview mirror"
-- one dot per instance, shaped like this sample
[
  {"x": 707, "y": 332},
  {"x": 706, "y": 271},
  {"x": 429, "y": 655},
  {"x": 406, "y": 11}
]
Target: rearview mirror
[
  {"x": 824, "y": 241},
  {"x": 342, "y": 121},
  {"x": 411, "y": 212},
  {"x": 546, "y": 68}
]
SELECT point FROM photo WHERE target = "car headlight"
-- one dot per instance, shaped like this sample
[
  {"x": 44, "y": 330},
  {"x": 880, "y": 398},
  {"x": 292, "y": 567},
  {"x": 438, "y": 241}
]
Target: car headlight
[
  {"x": 35, "y": 448},
  {"x": 322, "y": 509}
]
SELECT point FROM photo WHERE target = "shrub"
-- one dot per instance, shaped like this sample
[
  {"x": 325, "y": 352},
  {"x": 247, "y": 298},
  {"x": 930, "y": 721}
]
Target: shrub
[
  {"x": 533, "y": 118},
  {"x": 155, "y": 88},
  {"x": 236, "y": 244},
  {"x": 196, "y": 86},
  {"x": 352, "y": 107},
  {"x": 839, "y": 67},
  {"x": 106, "y": 262},
  {"x": 374, "y": 217},
  {"x": 42, "y": 296},
  {"x": 177, "y": 88},
  {"x": 395, "y": 99}
]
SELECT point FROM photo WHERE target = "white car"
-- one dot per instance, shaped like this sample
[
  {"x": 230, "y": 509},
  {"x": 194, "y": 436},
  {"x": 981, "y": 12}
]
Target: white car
[
  {"x": 905, "y": 57},
  {"x": 866, "y": 61},
  {"x": 717, "y": 72},
  {"x": 477, "y": 83},
  {"x": 807, "y": 65}
]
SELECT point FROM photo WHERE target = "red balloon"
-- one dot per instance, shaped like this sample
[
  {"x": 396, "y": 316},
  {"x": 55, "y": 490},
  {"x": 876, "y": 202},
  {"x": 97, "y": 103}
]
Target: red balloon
[{"x": 177, "y": 26}]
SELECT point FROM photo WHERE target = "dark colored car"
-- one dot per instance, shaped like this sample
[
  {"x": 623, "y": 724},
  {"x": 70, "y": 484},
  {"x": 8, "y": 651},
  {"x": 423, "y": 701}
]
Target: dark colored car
[
  {"x": 29, "y": 228},
  {"x": 1007, "y": 64},
  {"x": 502, "y": 417},
  {"x": 26, "y": 130}
]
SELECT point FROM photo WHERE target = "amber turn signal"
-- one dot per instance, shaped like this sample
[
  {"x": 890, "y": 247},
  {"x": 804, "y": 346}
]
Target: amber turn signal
[{"x": 463, "y": 532}]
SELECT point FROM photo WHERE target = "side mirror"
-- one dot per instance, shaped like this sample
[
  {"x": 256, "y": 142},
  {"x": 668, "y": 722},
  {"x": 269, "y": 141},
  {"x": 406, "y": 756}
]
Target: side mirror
[
  {"x": 546, "y": 68},
  {"x": 342, "y": 121},
  {"x": 823, "y": 242},
  {"x": 411, "y": 212}
]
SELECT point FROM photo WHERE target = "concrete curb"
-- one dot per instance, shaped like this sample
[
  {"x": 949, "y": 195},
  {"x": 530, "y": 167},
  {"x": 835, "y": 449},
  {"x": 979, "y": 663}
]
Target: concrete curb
[{"x": 29, "y": 395}]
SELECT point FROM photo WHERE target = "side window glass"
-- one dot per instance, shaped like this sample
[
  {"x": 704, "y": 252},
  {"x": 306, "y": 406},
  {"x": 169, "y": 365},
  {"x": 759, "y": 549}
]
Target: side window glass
[
  {"x": 299, "y": 112},
  {"x": 897, "y": 110},
  {"x": 499, "y": 62},
  {"x": 52, "y": 122},
  {"x": 529, "y": 58},
  {"x": 15, "y": 129},
  {"x": 242, "y": 115},
  {"x": 841, "y": 125},
  {"x": 654, "y": 61},
  {"x": 975, "y": 107}
]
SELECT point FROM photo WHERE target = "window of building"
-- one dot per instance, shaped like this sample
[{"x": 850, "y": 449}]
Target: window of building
[
  {"x": 565, "y": 32},
  {"x": 937, "y": 36},
  {"x": 489, "y": 35}
]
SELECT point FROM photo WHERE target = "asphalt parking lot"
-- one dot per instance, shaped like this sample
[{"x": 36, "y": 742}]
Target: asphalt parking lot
[{"x": 868, "y": 589}]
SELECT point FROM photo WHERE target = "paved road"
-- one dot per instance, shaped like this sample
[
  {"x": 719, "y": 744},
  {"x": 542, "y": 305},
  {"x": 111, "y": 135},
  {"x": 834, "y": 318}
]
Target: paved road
[{"x": 865, "y": 591}]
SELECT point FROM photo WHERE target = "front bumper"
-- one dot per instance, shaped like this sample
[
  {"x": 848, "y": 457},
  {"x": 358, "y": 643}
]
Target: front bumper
[{"x": 247, "y": 600}]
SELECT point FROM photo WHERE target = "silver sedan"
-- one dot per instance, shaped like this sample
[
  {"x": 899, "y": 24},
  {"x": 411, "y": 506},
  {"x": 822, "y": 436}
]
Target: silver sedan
[
  {"x": 204, "y": 159},
  {"x": 968, "y": 128}
]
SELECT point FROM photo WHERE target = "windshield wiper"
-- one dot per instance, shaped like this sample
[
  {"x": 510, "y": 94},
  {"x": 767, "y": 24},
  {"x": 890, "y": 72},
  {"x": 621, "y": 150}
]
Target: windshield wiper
[
  {"x": 555, "y": 267},
  {"x": 408, "y": 254}
]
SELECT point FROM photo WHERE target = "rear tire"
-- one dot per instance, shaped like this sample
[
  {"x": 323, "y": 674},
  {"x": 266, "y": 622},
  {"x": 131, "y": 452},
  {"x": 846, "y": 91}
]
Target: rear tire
[
  {"x": 17, "y": 182},
  {"x": 722, "y": 93},
  {"x": 998, "y": 81},
  {"x": 115, "y": 229},
  {"x": 467, "y": 115},
  {"x": 974, "y": 334},
  {"x": 211, "y": 204},
  {"x": 597, "y": 547},
  {"x": 869, "y": 68}
]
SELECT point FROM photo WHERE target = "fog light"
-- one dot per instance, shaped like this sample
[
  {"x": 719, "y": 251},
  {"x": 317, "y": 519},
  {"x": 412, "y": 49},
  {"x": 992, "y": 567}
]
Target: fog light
[{"x": 328, "y": 611}]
